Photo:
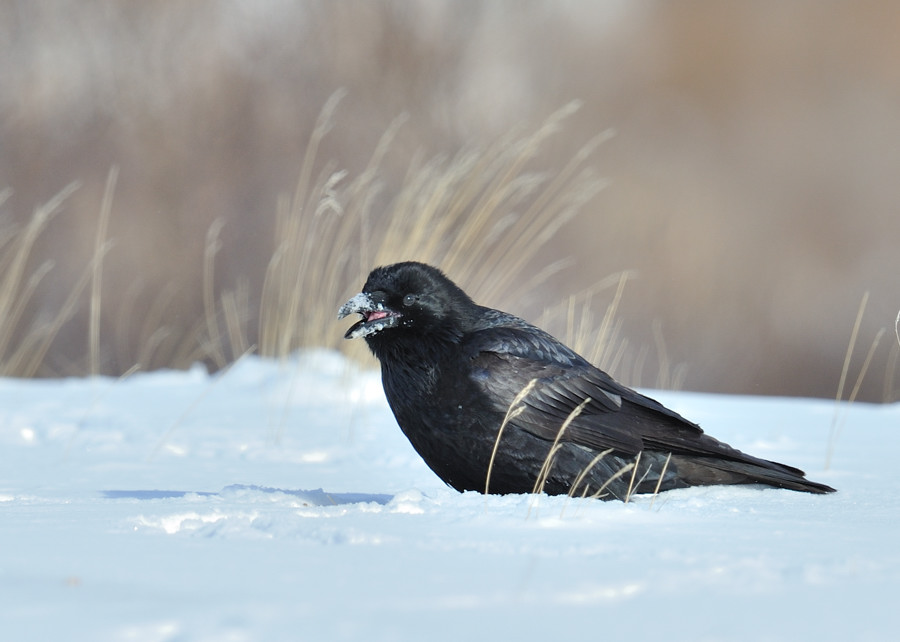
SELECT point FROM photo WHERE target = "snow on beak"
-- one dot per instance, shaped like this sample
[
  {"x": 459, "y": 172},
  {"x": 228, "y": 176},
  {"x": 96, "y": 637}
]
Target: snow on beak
[{"x": 375, "y": 317}]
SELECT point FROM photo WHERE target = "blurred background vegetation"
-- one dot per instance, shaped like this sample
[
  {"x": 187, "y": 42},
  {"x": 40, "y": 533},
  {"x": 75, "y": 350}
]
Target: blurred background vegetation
[{"x": 189, "y": 181}]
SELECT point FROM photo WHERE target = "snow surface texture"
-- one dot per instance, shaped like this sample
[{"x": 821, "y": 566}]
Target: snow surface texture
[{"x": 281, "y": 502}]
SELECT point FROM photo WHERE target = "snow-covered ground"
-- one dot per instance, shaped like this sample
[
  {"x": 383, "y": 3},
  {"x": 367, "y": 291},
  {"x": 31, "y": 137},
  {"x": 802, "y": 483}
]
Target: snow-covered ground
[{"x": 281, "y": 502}]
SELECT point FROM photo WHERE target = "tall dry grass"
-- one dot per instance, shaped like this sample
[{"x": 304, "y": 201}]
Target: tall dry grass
[
  {"x": 23, "y": 347},
  {"x": 484, "y": 215},
  {"x": 726, "y": 194},
  {"x": 839, "y": 417}
]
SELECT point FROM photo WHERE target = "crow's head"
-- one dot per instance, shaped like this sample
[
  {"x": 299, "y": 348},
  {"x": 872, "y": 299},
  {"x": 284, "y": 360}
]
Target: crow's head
[{"x": 407, "y": 300}]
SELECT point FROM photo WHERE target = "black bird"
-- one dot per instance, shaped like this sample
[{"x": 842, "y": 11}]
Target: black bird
[{"x": 497, "y": 405}]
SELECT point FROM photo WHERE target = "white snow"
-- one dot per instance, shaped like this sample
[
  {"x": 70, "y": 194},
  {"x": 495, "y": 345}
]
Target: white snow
[{"x": 281, "y": 502}]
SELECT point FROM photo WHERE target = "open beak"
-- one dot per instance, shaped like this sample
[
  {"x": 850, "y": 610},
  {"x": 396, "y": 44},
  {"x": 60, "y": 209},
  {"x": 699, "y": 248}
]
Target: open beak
[{"x": 375, "y": 316}]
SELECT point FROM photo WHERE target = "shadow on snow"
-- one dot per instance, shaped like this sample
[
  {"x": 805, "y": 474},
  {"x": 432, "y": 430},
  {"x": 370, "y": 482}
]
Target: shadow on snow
[{"x": 317, "y": 497}]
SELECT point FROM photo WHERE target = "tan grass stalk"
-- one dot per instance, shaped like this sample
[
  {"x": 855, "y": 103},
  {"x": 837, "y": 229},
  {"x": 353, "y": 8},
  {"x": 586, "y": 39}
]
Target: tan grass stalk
[
  {"x": 235, "y": 304},
  {"x": 637, "y": 367},
  {"x": 853, "y": 393},
  {"x": 602, "y": 340},
  {"x": 890, "y": 370},
  {"x": 836, "y": 419},
  {"x": 660, "y": 480},
  {"x": 887, "y": 392},
  {"x": 580, "y": 478},
  {"x": 13, "y": 299},
  {"x": 897, "y": 328},
  {"x": 637, "y": 460},
  {"x": 624, "y": 469},
  {"x": 850, "y": 346},
  {"x": 212, "y": 246},
  {"x": 662, "y": 379},
  {"x": 515, "y": 409},
  {"x": 303, "y": 226},
  {"x": 16, "y": 291},
  {"x": 100, "y": 248},
  {"x": 548, "y": 460},
  {"x": 891, "y": 367},
  {"x": 584, "y": 473},
  {"x": 28, "y": 358},
  {"x": 865, "y": 366}
]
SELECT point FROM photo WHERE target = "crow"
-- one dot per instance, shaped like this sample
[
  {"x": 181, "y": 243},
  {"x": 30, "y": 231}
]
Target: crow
[{"x": 496, "y": 405}]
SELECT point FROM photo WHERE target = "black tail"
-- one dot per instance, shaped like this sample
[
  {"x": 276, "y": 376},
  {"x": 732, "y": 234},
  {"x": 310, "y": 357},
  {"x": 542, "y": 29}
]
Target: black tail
[{"x": 707, "y": 470}]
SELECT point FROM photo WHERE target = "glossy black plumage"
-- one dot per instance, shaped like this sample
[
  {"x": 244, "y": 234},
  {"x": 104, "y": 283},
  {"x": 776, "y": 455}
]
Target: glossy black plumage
[{"x": 452, "y": 371}]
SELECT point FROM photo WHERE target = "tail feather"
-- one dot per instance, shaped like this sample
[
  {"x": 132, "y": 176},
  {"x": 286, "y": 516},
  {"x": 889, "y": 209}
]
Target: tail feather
[{"x": 703, "y": 471}]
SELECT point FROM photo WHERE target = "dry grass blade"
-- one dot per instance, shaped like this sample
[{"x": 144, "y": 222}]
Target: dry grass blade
[
  {"x": 586, "y": 471},
  {"x": 663, "y": 378},
  {"x": 16, "y": 291},
  {"x": 235, "y": 304},
  {"x": 548, "y": 460},
  {"x": 836, "y": 419},
  {"x": 838, "y": 427},
  {"x": 325, "y": 238},
  {"x": 304, "y": 230},
  {"x": 634, "y": 470},
  {"x": 27, "y": 359},
  {"x": 890, "y": 369},
  {"x": 514, "y": 410},
  {"x": 599, "y": 493},
  {"x": 14, "y": 263},
  {"x": 599, "y": 343},
  {"x": 897, "y": 328},
  {"x": 213, "y": 245},
  {"x": 853, "y": 336},
  {"x": 100, "y": 247},
  {"x": 660, "y": 480},
  {"x": 602, "y": 342},
  {"x": 865, "y": 366},
  {"x": 887, "y": 395}
]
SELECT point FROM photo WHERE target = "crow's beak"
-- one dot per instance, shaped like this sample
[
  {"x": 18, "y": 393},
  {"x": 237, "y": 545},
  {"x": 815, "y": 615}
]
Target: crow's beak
[
  {"x": 360, "y": 304},
  {"x": 375, "y": 316}
]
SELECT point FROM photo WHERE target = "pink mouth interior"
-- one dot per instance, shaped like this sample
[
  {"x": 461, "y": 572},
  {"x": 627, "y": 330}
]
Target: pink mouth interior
[{"x": 374, "y": 315}]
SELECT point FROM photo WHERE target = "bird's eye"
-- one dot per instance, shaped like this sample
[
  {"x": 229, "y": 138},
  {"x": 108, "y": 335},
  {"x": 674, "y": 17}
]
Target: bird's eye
[{"x": 410, "y": 299}]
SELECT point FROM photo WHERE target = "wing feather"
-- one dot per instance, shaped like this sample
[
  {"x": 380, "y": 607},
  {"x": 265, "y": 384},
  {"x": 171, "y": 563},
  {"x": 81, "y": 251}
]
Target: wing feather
[{"x": 507, "y": 357}]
